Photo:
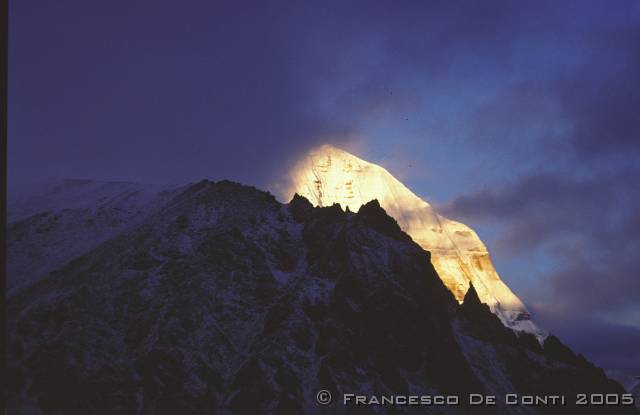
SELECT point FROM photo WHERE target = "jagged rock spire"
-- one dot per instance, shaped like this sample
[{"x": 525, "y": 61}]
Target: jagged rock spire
[
  {"x": 300, "y": 208},
  {"x": 471, "y": 297}
]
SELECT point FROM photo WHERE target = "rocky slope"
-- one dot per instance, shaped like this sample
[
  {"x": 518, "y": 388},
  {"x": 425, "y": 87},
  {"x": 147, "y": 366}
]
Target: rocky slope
[
  {"x": 220, "y": 300},
  {"x": 631, "y": 383},
  {"x": 56, "y": 222},
  {"x": 328, "y": 175}
]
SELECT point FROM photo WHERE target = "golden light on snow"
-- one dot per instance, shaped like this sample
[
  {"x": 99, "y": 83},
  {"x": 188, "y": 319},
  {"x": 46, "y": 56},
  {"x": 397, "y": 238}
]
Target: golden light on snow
[{"x": 328, "y": 175}]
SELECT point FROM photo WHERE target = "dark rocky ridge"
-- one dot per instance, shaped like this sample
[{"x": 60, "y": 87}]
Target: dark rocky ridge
[{"x": 222, "y": 300}]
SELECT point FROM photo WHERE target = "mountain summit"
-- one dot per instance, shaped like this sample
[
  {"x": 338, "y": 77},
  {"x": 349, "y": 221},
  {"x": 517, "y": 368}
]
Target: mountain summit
[{"x": 329, "y": 175}]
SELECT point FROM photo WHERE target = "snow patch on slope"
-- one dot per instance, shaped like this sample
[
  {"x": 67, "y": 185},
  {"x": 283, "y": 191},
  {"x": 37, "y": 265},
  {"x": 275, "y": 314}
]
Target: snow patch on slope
[{"x": 53, "y": 223}]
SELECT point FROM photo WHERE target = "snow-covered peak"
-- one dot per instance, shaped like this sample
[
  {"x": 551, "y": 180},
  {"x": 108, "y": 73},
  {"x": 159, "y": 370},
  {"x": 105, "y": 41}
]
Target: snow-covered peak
[
  {"x": 81, "y": 194},
  {"x": 328, "y": 175}
]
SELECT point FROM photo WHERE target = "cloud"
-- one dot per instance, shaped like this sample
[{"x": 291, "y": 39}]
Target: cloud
[
  {"x": 601, "y": 98},
  {"x": 540, "y": 206},
  {"x": 588, "y": 227},
  {"x": 222, "y": 90},
  {"x": 211, "y": 90},
  {"x": 568, "y": 98},
  {"x": 571, "y": 128}
]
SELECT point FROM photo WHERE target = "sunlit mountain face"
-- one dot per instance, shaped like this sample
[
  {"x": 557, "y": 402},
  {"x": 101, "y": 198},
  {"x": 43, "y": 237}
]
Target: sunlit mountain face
[{"x": 329, "y": 175}]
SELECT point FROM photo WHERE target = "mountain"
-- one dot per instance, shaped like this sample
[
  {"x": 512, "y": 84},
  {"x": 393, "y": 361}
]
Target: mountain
[
  {"x": 55, "y": 222},
  {"x": 328, "y": 175},
  {"x": 218, "y": 299},
  {"x": 630, "y": 383}
]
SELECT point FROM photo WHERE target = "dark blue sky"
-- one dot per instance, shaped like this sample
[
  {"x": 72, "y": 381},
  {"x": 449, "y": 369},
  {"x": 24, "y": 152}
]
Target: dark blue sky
[{"x": 520, "y": 119}]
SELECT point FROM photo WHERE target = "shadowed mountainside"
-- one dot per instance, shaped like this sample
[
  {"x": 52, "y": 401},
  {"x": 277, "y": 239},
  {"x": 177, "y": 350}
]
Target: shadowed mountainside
[{"x": 220, "y": 300}]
